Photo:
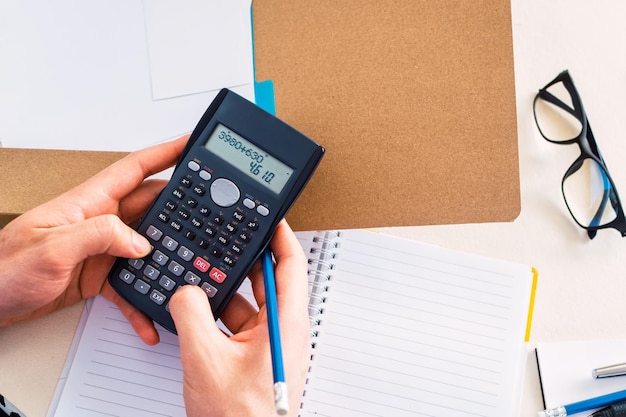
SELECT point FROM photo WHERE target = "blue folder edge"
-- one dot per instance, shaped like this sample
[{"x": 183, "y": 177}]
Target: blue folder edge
[{"x": 263, "y": 90}]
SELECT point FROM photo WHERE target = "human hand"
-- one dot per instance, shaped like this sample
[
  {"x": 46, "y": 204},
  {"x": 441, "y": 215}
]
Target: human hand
[
  {"x": 60, "y": 252},
  {"x": 232, "y": 376}
]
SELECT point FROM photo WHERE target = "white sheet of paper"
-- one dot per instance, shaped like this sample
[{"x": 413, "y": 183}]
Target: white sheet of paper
[
  {"x": 197, "y": 45},
  {"x": 76, "y": 75},
  {"x": 566, "y": 367}
]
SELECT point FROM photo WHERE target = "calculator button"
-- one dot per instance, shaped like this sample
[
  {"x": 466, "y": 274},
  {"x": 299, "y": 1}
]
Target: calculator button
[
  {"x": 176, "y": 268},
  {"x": 210, "y": 231},
  {"x": 217, "y": 275},
  {"x": 183, "y": 214},
  {"x": 191, "y": 278},
  {"x": 205, "y": 211},
  {"x": 167, "y": 283},
  {"x": 185, "y": 182},
  {"x": 169, "y": 243},
  {"x": 231, "y": 228},
  {"x": 164, "y": 217},
  {"x": 201, "y": 264},
  {"x": 209, "y": 289},
  {"x": 142, "y": 286},
  {"x": 157, "y": 297},
  {"x": 229, "y": 261},
  {"x": 252, "y": 225},
  {"x": 198, "y": 190},
  {"x": 160, "y": 258},
  {"x": 151, "y": 272},
  {"x": 170, "y": 205},
  {"x": 192, "y": 202},
  {"x": 136, "y": 263},
  {"x": 154, "y": 233},
  {"x": 218, "y": 219},
  {"x": 224, "y": 240},
  {"x": 196, "y": 223},
  {"x": 263, "y": 211},
  {"x": 176, "y": 226},
  {"x": 248, "y": 203},
  {"x": 238, "y": 216},
  {"x": 217, "y": 252},
  {"x": 179, "y": 194},
  {"x": 127, "y": 276},
  {"x": 245, "y": 237},
  {"x": 204, "y": 243},
  {"x": 191, "y": 235},
  {"x": 205, "y": 175},
  {"x": 224, "y": 192},
  {"x": 185, "y": 253},
  {"x": 193, "y": 165}
]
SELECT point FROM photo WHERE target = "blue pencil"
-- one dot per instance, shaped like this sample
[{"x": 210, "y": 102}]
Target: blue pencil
[
  {"x": 585, "y": 405},
  {"x": 271, "y": 305}
]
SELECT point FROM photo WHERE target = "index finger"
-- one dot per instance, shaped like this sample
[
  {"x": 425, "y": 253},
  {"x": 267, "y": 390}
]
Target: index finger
[{"x": 291, "y": 274}]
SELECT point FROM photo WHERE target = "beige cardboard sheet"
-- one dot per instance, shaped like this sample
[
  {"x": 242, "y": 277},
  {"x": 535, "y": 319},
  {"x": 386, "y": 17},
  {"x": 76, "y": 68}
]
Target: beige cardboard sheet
[{"x": 414, "y": 101}]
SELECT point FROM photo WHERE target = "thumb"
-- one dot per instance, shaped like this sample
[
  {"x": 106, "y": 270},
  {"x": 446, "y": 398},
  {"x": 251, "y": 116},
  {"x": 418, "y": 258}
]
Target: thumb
[
  {"x": 195, "y": 323},
  {"x": 105, "y": 234}
]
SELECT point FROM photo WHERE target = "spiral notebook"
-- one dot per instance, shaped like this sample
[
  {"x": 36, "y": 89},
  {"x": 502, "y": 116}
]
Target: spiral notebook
[{"x": 398, "y": 328}]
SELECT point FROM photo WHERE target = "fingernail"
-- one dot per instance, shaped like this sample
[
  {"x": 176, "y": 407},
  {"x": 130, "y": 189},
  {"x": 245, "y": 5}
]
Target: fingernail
[{"x": 141, "y": 244}]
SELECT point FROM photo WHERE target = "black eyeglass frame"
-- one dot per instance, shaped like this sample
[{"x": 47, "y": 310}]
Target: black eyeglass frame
[{"x": 588, "y": 150}]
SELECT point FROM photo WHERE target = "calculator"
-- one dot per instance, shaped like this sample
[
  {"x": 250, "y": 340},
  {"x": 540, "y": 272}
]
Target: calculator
[{"x": 240, "y": 172}]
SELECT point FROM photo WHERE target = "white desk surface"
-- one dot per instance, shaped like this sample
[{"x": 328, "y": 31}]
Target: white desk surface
[{"x": 582, "y": 283}]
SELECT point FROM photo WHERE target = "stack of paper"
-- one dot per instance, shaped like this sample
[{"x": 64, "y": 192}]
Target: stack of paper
[{"x": 117, "y": 74}]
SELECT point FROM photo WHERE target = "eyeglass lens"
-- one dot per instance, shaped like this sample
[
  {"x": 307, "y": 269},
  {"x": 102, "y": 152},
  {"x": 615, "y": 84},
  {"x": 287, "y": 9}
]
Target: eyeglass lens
[
  {"x": 556, "y": 123},
  {"x": 589, "y": 194}
]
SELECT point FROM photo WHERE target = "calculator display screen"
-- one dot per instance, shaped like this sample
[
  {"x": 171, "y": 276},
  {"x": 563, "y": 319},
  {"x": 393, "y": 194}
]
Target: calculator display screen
[{"x": 248, "y": 158}]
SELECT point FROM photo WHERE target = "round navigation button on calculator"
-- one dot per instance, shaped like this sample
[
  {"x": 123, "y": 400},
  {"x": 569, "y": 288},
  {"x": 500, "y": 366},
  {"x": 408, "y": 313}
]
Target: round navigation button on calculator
[{"x": 224, "y": 192}]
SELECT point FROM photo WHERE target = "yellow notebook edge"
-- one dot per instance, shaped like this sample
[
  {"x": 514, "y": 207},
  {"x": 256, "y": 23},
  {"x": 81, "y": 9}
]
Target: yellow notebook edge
[{"x": 531, "y": 304}]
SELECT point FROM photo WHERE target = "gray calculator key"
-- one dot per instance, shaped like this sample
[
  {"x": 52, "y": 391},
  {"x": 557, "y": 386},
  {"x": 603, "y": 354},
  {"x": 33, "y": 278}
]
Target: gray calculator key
[
  {"x": 191, "y": 278},
  {"x": 157, "y": 297},
  {"x": 136, "y": 263},
  {"x": 193, "y": 165},
  {"x": 169, "y": 243},
  {"x": 127, "y": 276},
  {"x": 185, "y": 253},
  {"x": 160, "y": 258},
  {"x": 167, "y": 283},
  {"x": 176, "y": 268},
  {"x": 151, "y": 272},
  {"x": 209, "y": 289},
  {"x": 142, "y": 286},
  {"x": 154, "y": 233},
  {"x": 224, "y": 192}
]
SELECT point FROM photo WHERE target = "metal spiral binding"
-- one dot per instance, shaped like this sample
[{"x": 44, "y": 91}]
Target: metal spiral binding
[
  {"x": 324, "y": 252},
  {"x": 329, "y": 237},
  {"x": 320, "y": 274},
  {"x": 324, "y": 263}
]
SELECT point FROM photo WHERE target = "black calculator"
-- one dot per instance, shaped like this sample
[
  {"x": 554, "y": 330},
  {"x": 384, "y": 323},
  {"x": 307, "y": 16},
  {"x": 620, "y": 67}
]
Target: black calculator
[{"x": 237, "y": 177}]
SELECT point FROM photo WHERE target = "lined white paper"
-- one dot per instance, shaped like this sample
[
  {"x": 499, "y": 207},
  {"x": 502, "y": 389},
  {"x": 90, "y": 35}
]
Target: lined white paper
[
  {"x": 111, "y": 372},
  {"x": 407, "y": 330},
  {"x": 417, "y": 330},
  {"x": 114, "y": 374}
]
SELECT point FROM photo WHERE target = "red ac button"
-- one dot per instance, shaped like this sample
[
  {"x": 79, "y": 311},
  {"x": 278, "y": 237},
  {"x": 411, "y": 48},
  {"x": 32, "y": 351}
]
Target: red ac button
[{"x": 217, "y": 275}]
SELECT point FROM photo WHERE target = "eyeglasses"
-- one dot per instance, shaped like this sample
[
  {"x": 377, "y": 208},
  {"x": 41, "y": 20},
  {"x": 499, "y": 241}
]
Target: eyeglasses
[{"x": 588, "y": 190}]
